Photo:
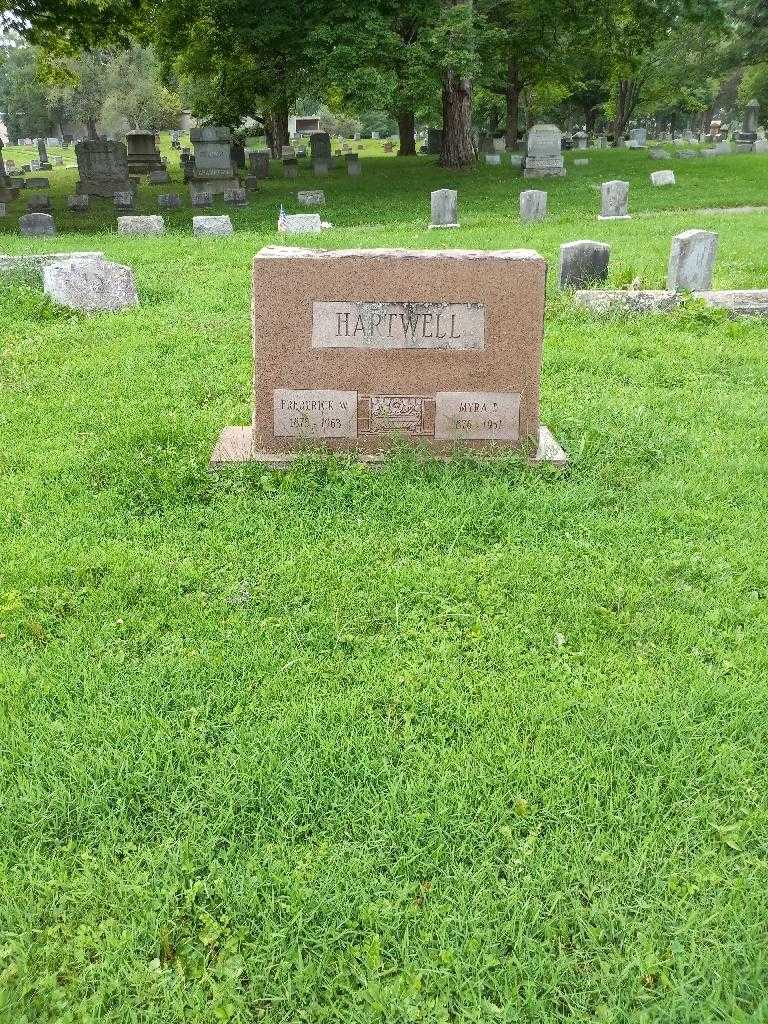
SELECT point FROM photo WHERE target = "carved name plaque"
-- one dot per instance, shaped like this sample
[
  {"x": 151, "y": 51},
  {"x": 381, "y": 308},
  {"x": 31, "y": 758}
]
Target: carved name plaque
[
  {"x": 387, "y": 325},
  {"x": 315, "y": 413},
  {"x": 477, "y": 416}
]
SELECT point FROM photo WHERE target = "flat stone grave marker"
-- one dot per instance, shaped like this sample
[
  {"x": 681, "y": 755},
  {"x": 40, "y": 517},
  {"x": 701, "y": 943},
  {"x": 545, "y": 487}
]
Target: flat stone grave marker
[
  {"x": 123, "y": 200},
  {"x": 147, "y": 225},
  {"x": 692, "y": 261},
  {"x": 212, "y": 226},
  {"x": 316, "y": 197},
  {"x": 201, "y": 199},
  {"x": 36, "y": 224},
  {"x": 439, "y": 348},
  {"x": 90, "y": 285},
  {"x": 37, "y": 183},
  {"x": 662, "y": 177},
  {"x": 445, "y": 208},
  {"x": 302, "y": 224}
]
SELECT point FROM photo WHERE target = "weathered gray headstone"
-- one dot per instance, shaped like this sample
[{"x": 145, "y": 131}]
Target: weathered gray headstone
[
  {"x": 236, "y": 197},
  {"x": 34, "y": 224},
  {"x": 213, "y": 169},
  {"x": 90, "y": 285},
  {"x": 78, "y": 204},
  {"x": 258, "y": 162},
  {"x": 493, "y": 159},
  {"x": 290, "y": 168},
  {"x": 123, "y": 200},
  {"x": 169, "y": 201},
  {"x": 37, "y": 183},
  {"x": 685, "y": 154},
  {"x": 320, "y": 145},
  {"x": 39, "y": 204},
  {"x": 201, "y": 199},
  {"x": 544, "y": 158},
  {"x": 302, "y": 224},
  {"x": 354, "y": 168},
  {"x": 206, "y": 226},
  {"x": 321, "y": 167},
  {"x": 692, "y": 261},
  {"x": 582, "y": 162},
  {"x": 581, "y": 140},
  {"x": 143, "y": 154},
  {"x": 662, "y": 177},
  {"x": 445, "y": 208},
  {"x": 658, "y": 154},
  {"x": 313, "y": 198},
  {"x": 639, "y": 136},
  {"x": 582, "y": 263},
  {"x": 615, "y": 197},
  {"x": 146, "y": 225},
  {"x": 103, "y": 168},
  {"x": 533, "y": 205},
  {"x": 2, "y": 210},
  {"x": 159, "y": 176}
]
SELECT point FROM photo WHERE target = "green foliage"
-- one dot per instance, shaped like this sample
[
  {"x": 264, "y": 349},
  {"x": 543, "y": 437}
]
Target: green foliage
[
  {"x": 440, "y": 743},
  {"x": 754, "y": 86},
  {"x": 23, "y": 92}
]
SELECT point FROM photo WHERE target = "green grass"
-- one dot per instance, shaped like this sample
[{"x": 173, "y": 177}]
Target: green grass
[{"x": 438, "y": 743}]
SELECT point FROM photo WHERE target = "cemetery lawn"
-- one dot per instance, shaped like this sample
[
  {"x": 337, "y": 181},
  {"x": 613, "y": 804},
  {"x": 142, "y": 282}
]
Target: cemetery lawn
[{"x": 444, "y": 742}]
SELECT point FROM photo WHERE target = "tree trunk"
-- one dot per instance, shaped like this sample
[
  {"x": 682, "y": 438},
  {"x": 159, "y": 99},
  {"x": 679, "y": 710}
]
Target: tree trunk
[
  {"x": 406, "y": 126},
  {"x": 91, "y": 126},
  {"x": 457, "y": 149},
  {"x": 627, "y": 96},
  {"x": 512, "y": 98},
  {"x": 276, "y": 129}
]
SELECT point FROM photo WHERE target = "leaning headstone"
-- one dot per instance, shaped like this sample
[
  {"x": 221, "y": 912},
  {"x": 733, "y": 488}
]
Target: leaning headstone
[
  {"x": 615, "y": 198},
  {"x": 544, "y": 158},
  {"x": 103, "y": 168},
  {"x": 34, "y": 224},
  {"x": 314, "y": 198},
  {"x": 692, "y": 261},
  {"x": 583, "y": 263},
  {"x": 143, "y": 154},
  {"x": 123, "y": 200},
  {"x": 207, "y": 226},
  {"x": 78, "y": 204},
  {"x": 662, "y": 177},
  {"x": 258, "y": 163},
  {"x": 302, "y": 224},
  {"x": 90, "y": 285},
  {"x": 199, "y": 199},
  {"x": 445, "y": 208},
  {"x": 533, "y": 205},
  {"x": 436, "y": 348},
  {"x": 147, "y": 225},
  {"x": 169, "y": 201},
  {"x": 159, "y": 176}
]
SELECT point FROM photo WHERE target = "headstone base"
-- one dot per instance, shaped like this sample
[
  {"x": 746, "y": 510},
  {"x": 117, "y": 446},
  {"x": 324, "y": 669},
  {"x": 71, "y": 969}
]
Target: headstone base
[
  {"x": 235, "y": 447},
  {"x": 104, "y": 187},
  {"x": 214, "y": 186}
]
